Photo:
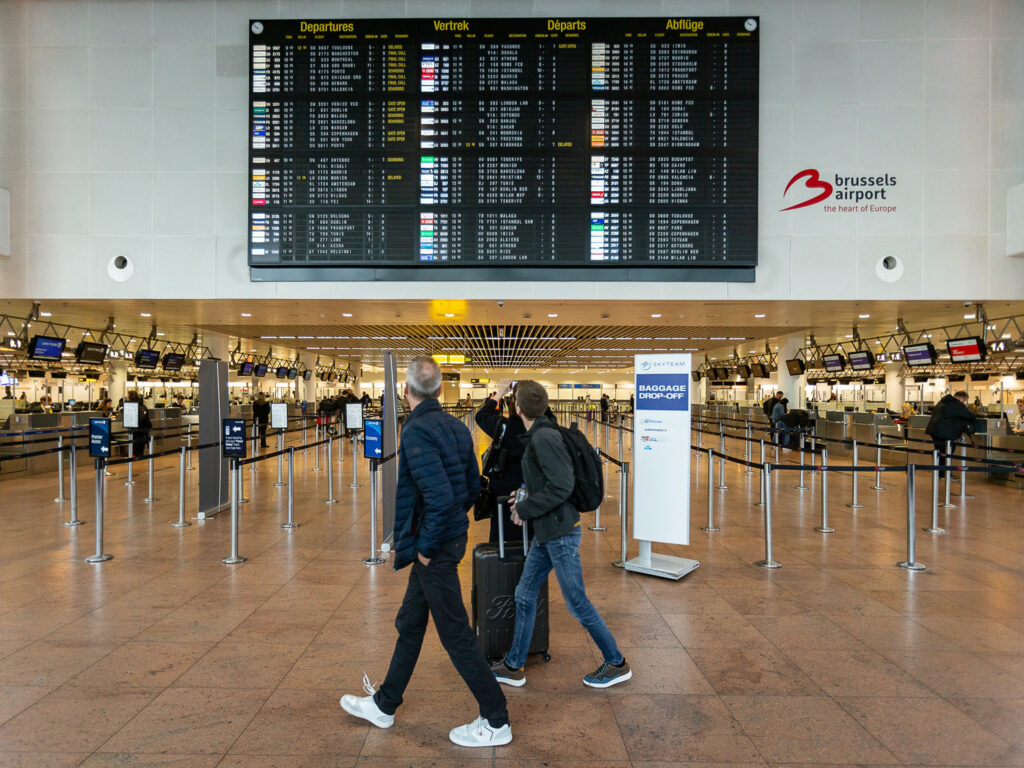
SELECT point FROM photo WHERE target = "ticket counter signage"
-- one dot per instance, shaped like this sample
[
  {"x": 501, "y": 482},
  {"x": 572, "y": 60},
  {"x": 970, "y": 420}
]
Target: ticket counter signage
[
  {"x": 661, "y": 456},
  {"x": 354, "y": 416},
  {"x": 232, "y": 438},
  {"x": 279, "y": 416},
  {"x": 373, "y": 431},
  {"x": 99, "y": 438},
  {"x": 130, "y": 416}
]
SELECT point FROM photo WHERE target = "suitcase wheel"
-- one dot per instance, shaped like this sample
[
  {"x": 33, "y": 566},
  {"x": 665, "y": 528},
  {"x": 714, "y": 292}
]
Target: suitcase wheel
[{"x": 547, "y": 656}]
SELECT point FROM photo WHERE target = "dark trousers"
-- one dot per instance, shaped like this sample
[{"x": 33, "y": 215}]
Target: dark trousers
[
  {"x": 262, "y": 427},
  {"x": 434, "y": 590},
  {"x": 140, "y": 442}
]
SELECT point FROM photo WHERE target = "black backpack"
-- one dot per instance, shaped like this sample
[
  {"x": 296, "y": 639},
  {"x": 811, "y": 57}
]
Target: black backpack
[
  {"x": 588, "y": 491},
  {"x": 767, "y": 406}
]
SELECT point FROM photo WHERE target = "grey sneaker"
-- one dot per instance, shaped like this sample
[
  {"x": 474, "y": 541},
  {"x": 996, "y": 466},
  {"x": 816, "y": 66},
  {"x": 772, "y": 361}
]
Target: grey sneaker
[
  {"x": 608, "y": 675},
  {"x": 508, "y": 675}
]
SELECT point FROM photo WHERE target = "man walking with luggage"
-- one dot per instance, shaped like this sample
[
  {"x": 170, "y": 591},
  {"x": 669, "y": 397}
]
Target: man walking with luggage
[
  {"x": 438, "y": 481},
  {"x": 548, "y": 472}
]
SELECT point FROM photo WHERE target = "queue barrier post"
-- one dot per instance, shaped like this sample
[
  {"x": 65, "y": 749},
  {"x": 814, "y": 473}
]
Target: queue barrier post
[
  {"x": 291, "y": 490},
  {"x": 188, "y": 439},
  {"x": 910, "y": 563},
  {"x": 304, "y": 448},
  {"x": 824, "y": 527},
  {"x": 721, "y": 465},
  {"x": 814, "y": 448},
  {"x": 760, "y": 501},
  {"x": 853, "y": 482},
  {"x": 710, "y": 527},
  {"x": 330, "y": 473},
  {"x": 749, "y": 434},
  {"x": 151, "y": 496},
  {"x": 73, "y": 482},
  {"x": 769, "y": 561},
  {"x": 878, "y": 463},
  {"x": 620, "y": 437},
  {"x": 341, "y": 444},
  {"x": 800, "y": 486},
  {"x": 624, "y": 515},
  {"x": 317, "y": 429},
  {"x": 948, "y": 473},
  {"x": 131, "y": 458},
  {"x": 963, "y": 475},
  {"x": 181, "y": 521},
  {"x": 597, "y": 512},
  {"x": 280, "y": 459},
  {"x": 255, "y": 446},
  {"x": 355, "y": 465},
  {"x": 99, "y": 557},
  {"x": 60, "y": 470},
  {"x": 374, "y": 558},
  {"x": 236, "y": 483},
  {"x": 934, "y": 527}
]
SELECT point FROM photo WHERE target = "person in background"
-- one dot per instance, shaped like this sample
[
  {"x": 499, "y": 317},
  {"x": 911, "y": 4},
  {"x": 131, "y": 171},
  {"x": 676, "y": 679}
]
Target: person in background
[
  {"x": 778, "y": 411},
  {"x": 950, "y": 419},
  {"x": 491, "y": 418},
  {"x": 261, "y": 415},
  {"x": 605, "y": 404},
  {"x": 365, "y": 400},
  {"x": 908, "y": 410},
  {"x": 106, "y": 407},
  {"x": 140, "y": 435},
  {"x": 632, "y": 402},
  {"x": 1018, "y": 425}
]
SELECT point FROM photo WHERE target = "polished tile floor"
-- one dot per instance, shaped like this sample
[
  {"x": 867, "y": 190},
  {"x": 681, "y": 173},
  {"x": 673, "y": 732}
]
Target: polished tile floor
[{"x": 163, "y": 656}]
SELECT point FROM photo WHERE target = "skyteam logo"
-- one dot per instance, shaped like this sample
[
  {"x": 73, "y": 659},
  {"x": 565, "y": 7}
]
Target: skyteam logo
[
  {"x": 645, "y": 365},
  {"x": 649, "y": 365}
]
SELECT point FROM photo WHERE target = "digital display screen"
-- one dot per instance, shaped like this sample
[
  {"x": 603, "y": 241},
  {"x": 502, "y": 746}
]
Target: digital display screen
[
  {"x": 759, "y": 371},
  {"x": 307, "y": 375},
  {"x": 833, "y": 362},
  {"x": 862, "y": 361},
  {"x": 624, "y": 146},
  {"x": 6, "y": 380},
  {"x": 293, "y": 372},
  {"x": 173, "y": 361},
  {"x": 46, "y": 348},
  {"x": 721, "y": 373},
  {"x": 147, "y": 358},
  {"x": 91, "y": 353},
  {"x": 246, "y": 369},
  {"x": 795, "y": 367},
  {"x": 695, "y": 375},
  {"x": 968, "y": 350},
  {"x": 919, "y": 354},
  {"x": 743, "y": 371},
  {"x": 282, "y": 371},
  {"x": 261, "y": 370}
]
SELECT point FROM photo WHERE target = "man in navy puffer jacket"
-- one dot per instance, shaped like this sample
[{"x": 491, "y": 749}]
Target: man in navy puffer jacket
[{"x": 438, "y": 481}]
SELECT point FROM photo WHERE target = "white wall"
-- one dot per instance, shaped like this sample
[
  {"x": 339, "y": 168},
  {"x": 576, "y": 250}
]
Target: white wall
[{"x": 123, "y": 131}]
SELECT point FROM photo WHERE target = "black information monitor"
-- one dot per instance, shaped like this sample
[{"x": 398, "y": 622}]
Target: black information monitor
[
  {"x": 513, "y": 149},
  {"x": 232, "y": 439}
]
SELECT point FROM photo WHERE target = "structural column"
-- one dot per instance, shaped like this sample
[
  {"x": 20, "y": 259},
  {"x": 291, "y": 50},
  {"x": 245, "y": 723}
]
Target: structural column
[
  {"x": 895, "y": 387},
  {"x": 118, "y": 381},
  {"x": 792, "y": 387}
]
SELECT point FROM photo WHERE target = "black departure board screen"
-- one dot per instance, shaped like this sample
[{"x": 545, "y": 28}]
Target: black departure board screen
[{"x": 597, "y": 148}]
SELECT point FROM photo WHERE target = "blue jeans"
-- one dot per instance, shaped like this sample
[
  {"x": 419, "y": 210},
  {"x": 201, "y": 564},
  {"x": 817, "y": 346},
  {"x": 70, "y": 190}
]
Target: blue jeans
[{"x": 563, "y": 555}]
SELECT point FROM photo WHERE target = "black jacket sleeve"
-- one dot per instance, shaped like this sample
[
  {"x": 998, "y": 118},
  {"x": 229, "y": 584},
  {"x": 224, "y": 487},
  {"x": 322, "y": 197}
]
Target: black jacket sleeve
[{"x": 489, "y": 417}]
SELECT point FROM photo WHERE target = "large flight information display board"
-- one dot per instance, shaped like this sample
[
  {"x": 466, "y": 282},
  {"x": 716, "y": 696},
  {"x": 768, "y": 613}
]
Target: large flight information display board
[{"x": 593, "y": 149}]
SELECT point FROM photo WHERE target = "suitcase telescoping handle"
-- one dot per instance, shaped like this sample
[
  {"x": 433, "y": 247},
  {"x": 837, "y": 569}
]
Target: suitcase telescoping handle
[{"x": 501, "y": 533}]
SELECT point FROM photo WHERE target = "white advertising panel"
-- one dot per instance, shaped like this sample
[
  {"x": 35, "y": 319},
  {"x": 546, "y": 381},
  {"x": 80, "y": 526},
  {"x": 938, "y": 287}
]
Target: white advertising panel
[
  {"x": 661, "y": 449},
  {"x": 279, "y": 415},
  {"x": 130, "y": 415}
]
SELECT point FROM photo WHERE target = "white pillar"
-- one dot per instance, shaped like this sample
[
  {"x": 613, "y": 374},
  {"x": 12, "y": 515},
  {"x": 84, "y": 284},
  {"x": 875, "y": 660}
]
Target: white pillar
[
  {"x": 118, "y": 380},
  {"x": 895, "y": 388},
  {"x": 792, "y": 387},
  {"x": 217, "y": 344}
]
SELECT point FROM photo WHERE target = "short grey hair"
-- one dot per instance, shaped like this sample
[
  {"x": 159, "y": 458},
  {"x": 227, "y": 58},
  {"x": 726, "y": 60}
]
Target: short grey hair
[{"x": 423, "y": 377}]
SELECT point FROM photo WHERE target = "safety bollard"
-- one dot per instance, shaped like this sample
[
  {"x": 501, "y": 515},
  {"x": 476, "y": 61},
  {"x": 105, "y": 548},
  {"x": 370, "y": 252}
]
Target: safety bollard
[
  {"x": 721, "y": 466},
  {"x": 624, "y": 515},
  {"x": 99, "y": 557},
  {"x": 73, "y": 482},
  {"x": 597, "y": 512},
  {"x": 963, "y": 475},
  {"x": 878, "y": 463},
  {"x": 234, "y": 557},
  {"x": 934, "y": 527},
  {"x": 151, "y": 497},
  {"x": 131, "y": 459},
  {"x": 60, "y": 469},
  {"x": 355, "y": 464},
  {"x": 181, "y": 522},
  {"x": 188, "y": 438},
  {"x": 710, "y": 527},
  {"x": 801, "y": 486},
  {"x": 769, "y": 561},
  {"x": 291, "y": 490},
  {"x": 374, "y": 558},
  {"x": 910, "y": 564},
  {"x": 330, "y": 474},
  {"x": 948, "y": 473},
  {"x": 760, "y": 501},
  {"x": 824, "y": 527},
  {"x": 280, "y": 459},
  {"x": 853, "y": 503}
]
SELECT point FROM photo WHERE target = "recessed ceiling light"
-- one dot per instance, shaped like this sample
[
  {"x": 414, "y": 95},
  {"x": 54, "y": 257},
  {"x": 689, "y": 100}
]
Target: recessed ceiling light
[
  {"x": 247, "y": 314},
  {"x": 449, "y": 314},
  {"x": 346, "y": 314},
  {"x": 552, "y": 314},
  {"x": 144, "y": 314},
  {"x": 656, "y": 315},
  {"x": 759, "y": 316},
  {"x": 849, "y": 335},
  {"x": 159, "y": 333},
  {"x": 864, "y": 317},
  {"x": 46, "y": 314},
  {"x": 968, "y": 317}
]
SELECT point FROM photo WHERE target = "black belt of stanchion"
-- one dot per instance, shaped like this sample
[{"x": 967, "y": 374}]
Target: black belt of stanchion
[
  {"x": 613, "y": 460},
  {"x": 734, "y": 460},
  {"x": 275, "y": 454},
  {"x": 836, "y": 468}
]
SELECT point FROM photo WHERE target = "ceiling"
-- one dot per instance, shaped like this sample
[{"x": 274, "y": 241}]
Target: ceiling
[{"x": 513, "y": 334}]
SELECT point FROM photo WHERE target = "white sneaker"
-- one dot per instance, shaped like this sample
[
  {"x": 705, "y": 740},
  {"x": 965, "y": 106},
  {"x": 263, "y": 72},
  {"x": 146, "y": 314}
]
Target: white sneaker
[
  {"x": 366, "y": 708},
  {"x": 479, "y": 733}
]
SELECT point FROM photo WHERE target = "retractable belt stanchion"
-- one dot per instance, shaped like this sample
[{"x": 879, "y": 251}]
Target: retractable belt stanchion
[
  {"x": 255, "y": 447},
  {"x": 341, "y": 444},
  {"x": 374, "y": 558},
  {"x": 181, "y": 521},
  {"x": 280, "y": 459},
  {"x": 814, "y": 448},
  {"x": 710, "y": 527},
  {"x": 623, "y": 515},
  {"x": 188, "y": 438},
  {"x": 760, "y": 501},
  {"x": 878, "y": 463},
  {"x": 620, "y": 438},
  {"x": 963, "y": 475},
  {"x": 597, "y": 512},
  {"x": 853, "y": 482},
  {"x": 131, "y": 459},
  {"x": 769, "y": 561},
  {"x": 236, "y": 483},
  {"x": 151, "y": 496},
  {"x": 948, "y": 473},
  {"x": 73, "y": 480},
  {"x": 291, "y": 490},
  {"x": 355, "y": 465},
  {"x": 721, "y": 466},
  {"x": 824, "y": 527},
  {"x": 99, "y": 557},
  {"x": 934, "y": 527},
  {"x": 910, "y": 564},
  {"x": 330, "y": 473},
  {"x": 800, "y": 486},
  {"x": 304, "y": 449},
  {"x": 317, "y": 430},
  {"x": 60, "y": 469},
  {"x": 748, "y": 434}
]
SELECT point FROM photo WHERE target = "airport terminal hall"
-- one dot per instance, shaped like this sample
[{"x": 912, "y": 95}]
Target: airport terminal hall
[{"x": 465, "y": 383}]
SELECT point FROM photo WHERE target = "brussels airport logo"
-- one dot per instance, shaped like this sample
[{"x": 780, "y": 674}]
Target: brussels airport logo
[{"x": 843, "y": 194}]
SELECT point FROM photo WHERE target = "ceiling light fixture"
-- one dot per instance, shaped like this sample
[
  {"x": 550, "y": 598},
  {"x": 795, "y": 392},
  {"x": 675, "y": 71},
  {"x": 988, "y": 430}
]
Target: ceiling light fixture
[
  {"x": 552, "y": 314},
  {"x": 864, "y": 317},
  {"x": 759, "y": 316},
  {"x": 346, "y": 314},
  {"x": 144, "y": 314},
  {"x": 247, "y": 314},
  {"x": 656, "y": 315}
]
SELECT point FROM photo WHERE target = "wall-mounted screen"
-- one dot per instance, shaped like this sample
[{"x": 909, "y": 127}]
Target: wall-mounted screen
[
  {"x": 795, "y": 367},
  {"x": 833, "y": 363},
  {"x": 90, "y": 353},
  {"x": 281, "y": 371},
  {"x": 46, "y": 347},
  {"x": 381, "y": 148},
  {"x": 966, "y": 350},
  {"x": 862, "y": 360},
  {"x": 759, "y": 370},
  {"x": 919, "y": 354},
  {"x": 260, "y": 370},
  {"x": 173, "y": 361},
  {"x": 245, "y": 369},
  {"x": 147, "y": 358}
]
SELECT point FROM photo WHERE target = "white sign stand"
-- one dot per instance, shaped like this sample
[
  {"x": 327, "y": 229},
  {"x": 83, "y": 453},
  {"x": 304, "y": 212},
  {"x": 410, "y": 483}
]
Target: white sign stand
[
  {"x": 661, "y": 457},
  {"x": 130, "y": 415},
  {"x": 279, "y": 415}
]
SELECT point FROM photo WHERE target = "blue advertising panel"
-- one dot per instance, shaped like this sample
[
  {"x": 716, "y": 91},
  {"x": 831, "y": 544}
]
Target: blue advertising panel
[
  {"x": 232, "y": 439},
  {"x": 372, "y": 431},
  {"x": 662, "y": 392},
  {"x": 99, "y": 438}
]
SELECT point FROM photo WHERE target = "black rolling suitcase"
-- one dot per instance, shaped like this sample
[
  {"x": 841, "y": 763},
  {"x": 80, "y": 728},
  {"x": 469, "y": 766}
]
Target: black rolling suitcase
[{"x": 496, "y": 572}]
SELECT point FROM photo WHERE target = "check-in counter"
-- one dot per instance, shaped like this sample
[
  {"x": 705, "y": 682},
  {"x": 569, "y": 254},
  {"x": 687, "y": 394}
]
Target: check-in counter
[
  {"x": 834, "y": 429},
  {"x": 29, "y": 422},
  {"x": 992, "y": 452},
  {"x": 865, "y": 427}
]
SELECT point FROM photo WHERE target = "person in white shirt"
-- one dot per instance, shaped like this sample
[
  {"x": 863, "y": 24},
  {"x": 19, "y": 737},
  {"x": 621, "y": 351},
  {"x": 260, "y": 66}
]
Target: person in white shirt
[{"x": 1018, "y": 425}]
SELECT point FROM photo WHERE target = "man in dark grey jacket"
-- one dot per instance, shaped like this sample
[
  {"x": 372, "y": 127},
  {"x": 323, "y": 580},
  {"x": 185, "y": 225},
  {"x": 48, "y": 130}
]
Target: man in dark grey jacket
[
  {"x": 438, "y": 480},
  {"x": 549, "y": 476}
]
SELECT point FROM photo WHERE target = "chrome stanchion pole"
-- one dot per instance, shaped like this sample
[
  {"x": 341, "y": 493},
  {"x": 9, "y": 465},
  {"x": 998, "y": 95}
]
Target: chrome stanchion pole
[
  {"x": 748, "y": 434},
  {"x": 948, "y": 473},
  {"x": 824, "y": 527},
  {"x": 934, "y": 527},
  {"x": 131, "y": 459},
  {"x": 291, "y": 490},
  {"x": 769, "y": 561},
  {"x": 330, "y": 474},
  {"x": 60, "y": 469},
  {"x": 355, "y": 464},
  {"x": 878, "y": 463},
  {"x": 304, "y": 449},
  {"x": 620, "y": 439},
  {"x": 241, "y": 487},
  {"x": 597, "y": 512},
  {"x": 188, "y": 437},
  {"x": 181, "y": 522},
  {"x": 710, "y": 527},
  {"x": 853, "y": 502},
  {"x": 374, "y": 558},
  {"x": 99, "y": 557},
  {"x": 318, "y": 429},
  {"x": 801, "y": 486},
  {"x": 341, "y": 445},
  {"x": 760, "y": 501},
  {"x": 280, "y": 459},
  {"x": 236, "y": 483},
  {"x": 624, "y": 515},
  {"x": 73, "y": 480},
  {"x": 963, "y": 475},
  {"x": 151, "y": 497},
  {"x": 814, "y": 449},
  {"x": 910, "y": 564},
  {"x": 721, "y": 466}
]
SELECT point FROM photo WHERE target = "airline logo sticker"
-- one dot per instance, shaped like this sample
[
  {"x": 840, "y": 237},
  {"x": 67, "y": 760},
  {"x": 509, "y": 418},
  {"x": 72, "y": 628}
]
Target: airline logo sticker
[{"x": 846, "y": 194}]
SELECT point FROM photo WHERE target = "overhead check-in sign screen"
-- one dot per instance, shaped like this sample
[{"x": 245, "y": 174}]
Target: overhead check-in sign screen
[{"x": 503, "y": 148}]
